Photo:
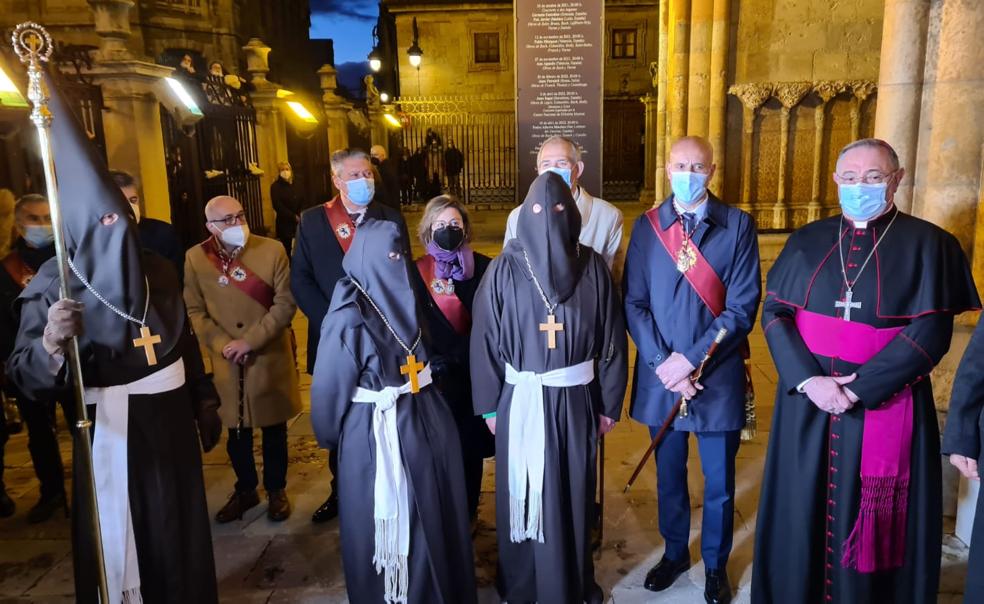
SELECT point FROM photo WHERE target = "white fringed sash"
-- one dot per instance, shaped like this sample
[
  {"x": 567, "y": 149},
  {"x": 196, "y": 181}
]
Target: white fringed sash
[
  {"x": 527, "y": 442},
  {"x": 111, "y": 470},
  {"x": 391, "y": 498}
]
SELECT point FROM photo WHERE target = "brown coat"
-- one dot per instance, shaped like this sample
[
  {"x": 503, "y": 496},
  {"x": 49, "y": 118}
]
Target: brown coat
[{"x": 221, "y": 314}]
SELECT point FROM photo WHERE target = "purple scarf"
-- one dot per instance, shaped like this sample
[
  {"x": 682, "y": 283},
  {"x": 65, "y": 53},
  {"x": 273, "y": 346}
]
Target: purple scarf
[{"x": 458, "y": 265}]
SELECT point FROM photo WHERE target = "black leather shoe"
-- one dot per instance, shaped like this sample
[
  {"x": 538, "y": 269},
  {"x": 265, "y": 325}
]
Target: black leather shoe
[
  {"x": 717, "y": 589},
  {"x": 46, "y": 508},
  {"x": 665, "y": 573},
  {"x": 7, "y": 506},
  {"x": 327, "y": 511}
]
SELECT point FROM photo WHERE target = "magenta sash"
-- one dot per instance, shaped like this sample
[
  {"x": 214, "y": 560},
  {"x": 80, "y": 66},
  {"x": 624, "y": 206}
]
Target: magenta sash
[{"x": 877, "y": 541}]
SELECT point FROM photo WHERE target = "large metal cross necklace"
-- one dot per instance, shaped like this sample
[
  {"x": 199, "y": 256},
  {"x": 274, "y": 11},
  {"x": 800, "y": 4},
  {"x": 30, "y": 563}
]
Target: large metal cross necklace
[
  {"x": 848, "y": 303},
  {"x": 551, "y": 327},
  {"x": 413, "y": 367},
  {"x": 146, "y": 339}
]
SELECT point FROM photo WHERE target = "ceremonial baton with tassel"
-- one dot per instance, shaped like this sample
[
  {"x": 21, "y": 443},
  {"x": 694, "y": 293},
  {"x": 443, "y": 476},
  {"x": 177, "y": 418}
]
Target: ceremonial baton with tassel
[
  {"x": 33, "y": 46},
  {"x": 695, "y": 379}
]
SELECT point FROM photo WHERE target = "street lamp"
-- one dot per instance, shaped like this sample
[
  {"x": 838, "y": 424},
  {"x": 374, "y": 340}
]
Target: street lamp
[
  {"x": 10, "y": 96},
  {"x": 414, "y": 51},
  {"x": 384, "y": 97},
  {"x": 375, "y": 57}
]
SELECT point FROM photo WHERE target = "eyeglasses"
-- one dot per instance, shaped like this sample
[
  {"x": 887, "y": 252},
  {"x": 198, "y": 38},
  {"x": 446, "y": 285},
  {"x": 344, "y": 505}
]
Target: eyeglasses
[
  {"x": 231, "y": 219},
  {"x": 872, "y": 177},
  {"x": 440, "y": 224}
]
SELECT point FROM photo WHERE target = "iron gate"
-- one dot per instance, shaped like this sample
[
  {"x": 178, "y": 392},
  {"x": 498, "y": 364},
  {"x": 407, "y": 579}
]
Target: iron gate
[
  {"x": 461, "y": 145},
  {"x": 218, "y": 158}
]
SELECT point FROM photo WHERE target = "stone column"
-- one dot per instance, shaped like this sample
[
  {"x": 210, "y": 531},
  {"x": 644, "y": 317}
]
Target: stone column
[
  {"x": 377, "y": 127},
  {"x": 648, "y": 194},
  {"x": 751, "y": 96},
  {"x": 662, "y": 90},
  {"x": 699, "y": 78},
  {"x": 718, "y": 120},
  {"x": 825, "y": 90},
  {"x": 112, "y": 24},
  {"x": 679, "y": 45},
  {"x": 127, "y": 87},
  {"x": 271, "y": 126},
  {"x": 336, "y": 110},
  {"x": 900, "y": 84},
  {"x": 978, "y": 260},
  {"x": 789, "y": 94},
  {"x": 132, "y": 107},
  {"x": 861, "y": 89},
  {"x": 948, "y": 165}
]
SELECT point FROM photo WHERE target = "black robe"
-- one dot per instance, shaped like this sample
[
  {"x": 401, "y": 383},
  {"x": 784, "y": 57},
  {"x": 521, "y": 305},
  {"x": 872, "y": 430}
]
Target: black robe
[
  {"x": 962, "y": 435},
  {"x": 167, "y": 491},
  {"x": 453, "y": 378},
  {"x": 507, "y": 314},
  {"x": 357, "y": 350},
  {"x": 917, "y": 279}
]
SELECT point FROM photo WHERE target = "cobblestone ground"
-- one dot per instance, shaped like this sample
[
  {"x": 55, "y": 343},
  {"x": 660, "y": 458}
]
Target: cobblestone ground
[{"x": 297, "y": 561}]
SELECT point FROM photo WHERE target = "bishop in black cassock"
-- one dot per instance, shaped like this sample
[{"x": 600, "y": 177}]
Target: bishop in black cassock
[
  {"x": 544, "y": 281},
  {"x": 862, "y": 306},
  {"x": 145, "y": 400},
  {"x": 404, "y": 521}
]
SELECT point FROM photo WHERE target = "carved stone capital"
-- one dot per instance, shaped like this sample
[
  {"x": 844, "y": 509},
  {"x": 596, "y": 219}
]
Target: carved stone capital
[
  {"x": 862, "y": 89},
  {"x": 828, "y": 89},
  {"x": 751, "y": 95},
  {"x": 791, "y": 93}
]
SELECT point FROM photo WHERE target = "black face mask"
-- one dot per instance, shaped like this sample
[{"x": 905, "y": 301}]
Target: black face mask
[
  {"x": 374, "y": 161},
  {"x": 449, "y": 238}
]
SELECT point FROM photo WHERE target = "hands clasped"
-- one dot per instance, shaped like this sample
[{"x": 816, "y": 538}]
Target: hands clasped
[
  {"x": 830, "y": 394},
  {"x": 675, "y": 374}
]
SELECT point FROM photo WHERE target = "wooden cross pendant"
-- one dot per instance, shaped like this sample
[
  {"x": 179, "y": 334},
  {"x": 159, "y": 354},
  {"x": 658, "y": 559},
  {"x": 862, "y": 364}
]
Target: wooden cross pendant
[
  {"x": 551, "y": 327},
  {"x": 147, "y": 341},
  {"x": 411, "y": 369}
]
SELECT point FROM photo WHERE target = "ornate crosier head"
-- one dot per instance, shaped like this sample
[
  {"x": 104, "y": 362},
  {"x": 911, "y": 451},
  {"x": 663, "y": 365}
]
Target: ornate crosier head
[{"x": 33, "y": 45}]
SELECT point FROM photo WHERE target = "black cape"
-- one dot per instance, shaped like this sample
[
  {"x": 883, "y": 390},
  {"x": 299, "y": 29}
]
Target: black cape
[
  {"x": 507, "y": 313},
  {"x": 357, "y": 350},
  {"x": 962, "y": 435},
  {"x": 167, "y": 491},
  {"x": 917, "y": 279}
]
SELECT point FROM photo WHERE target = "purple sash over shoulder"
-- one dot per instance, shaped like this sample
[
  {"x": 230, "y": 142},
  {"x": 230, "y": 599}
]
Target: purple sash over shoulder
[{"x": 878, "y": 539}]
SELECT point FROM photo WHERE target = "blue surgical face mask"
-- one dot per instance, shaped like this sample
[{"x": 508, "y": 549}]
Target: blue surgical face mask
[
  {"x": 688, "y": 187},
  {"x": 360, "y": 191},
  {"x": 38, "y": 236},
  {"x": 861, "y": 201},
  {"x": 564, "y": 173}
]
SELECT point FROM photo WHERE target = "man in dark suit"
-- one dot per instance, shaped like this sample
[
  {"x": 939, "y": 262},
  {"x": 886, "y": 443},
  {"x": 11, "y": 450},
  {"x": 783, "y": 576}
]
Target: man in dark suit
[
  {"x": 155, "y": 235},
  {"x": 692, "y": 268},
  {"x": 323, "y": 236}
]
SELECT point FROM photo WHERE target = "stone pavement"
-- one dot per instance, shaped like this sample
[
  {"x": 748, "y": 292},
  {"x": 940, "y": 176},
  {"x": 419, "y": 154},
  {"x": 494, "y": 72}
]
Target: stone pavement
[{"x": 297, "y": 561}]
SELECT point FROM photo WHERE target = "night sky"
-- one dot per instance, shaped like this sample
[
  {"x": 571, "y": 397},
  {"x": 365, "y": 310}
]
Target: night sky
[{"x": 349, "y": 23}]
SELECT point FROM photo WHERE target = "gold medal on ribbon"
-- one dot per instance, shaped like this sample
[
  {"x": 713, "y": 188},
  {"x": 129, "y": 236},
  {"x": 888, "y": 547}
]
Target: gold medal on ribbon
[{"x": 686, "y": 257}]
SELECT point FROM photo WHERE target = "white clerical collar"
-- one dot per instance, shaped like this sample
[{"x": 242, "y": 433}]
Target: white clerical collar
[{"x": 863, "y": 224}]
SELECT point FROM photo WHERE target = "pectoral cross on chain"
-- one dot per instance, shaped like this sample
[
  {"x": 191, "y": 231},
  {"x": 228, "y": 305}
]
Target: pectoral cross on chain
[
  {"x": 147, "y": 341},
  {"x": 551, "y": 327},
  {"x": 847, "y": 304},
  {"x": 411, "y": 369}
]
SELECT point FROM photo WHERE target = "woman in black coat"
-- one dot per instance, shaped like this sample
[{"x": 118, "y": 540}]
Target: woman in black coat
[{"x": 451, "y": 271}]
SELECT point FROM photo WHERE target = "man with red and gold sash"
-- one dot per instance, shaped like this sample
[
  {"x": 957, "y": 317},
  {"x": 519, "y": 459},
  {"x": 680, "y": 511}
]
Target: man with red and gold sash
[
  {"x": 324, "y": 235},
  {"x": 692, "y": 268},
  {"x": 237, "y": 290}
]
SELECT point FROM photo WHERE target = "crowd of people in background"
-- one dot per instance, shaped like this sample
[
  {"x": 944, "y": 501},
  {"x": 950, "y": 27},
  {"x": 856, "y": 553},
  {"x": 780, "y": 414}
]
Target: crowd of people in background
[{"x": 423, "y": 368}]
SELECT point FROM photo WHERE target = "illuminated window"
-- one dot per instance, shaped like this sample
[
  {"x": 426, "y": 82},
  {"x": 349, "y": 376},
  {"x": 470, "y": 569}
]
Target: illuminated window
[
  {"x": 487, "y": 47},
  {"x": 623, "y": 43}
]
